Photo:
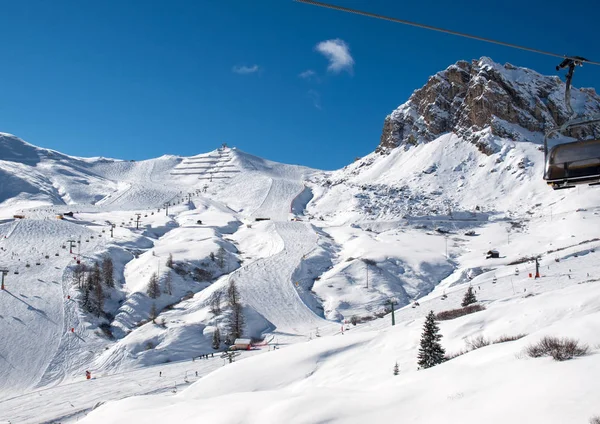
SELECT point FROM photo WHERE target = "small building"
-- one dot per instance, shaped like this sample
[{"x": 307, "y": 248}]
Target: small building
[
  {"x": 241, "y": 344},
  {"x": 494, "y": 254}
]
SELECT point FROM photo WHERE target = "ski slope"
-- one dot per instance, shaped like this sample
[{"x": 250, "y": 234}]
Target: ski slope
[
  {"x": 36, "y": 313},
  {"x": 349, "y": 379}
]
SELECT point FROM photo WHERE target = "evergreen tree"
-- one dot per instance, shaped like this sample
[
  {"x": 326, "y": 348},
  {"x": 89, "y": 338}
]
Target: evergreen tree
[
  {"x": 107, "y": 271},
  {"x": 93, "y": 294},
  {"x": 469, "y": 297},
  {"x": 87, "y": 288},
  {"x": 79, "y": 274},
  {"x": 431, "y": 352},
  {"x": 153, "y": 289},
  {"x": 153, "y": 313},
  {"x": 96, "y": 273},
  {"x": 396, "y": 369},
  {"x": 98, "y": 298},
  {"x": 216, "y": 339},
  {"x": 221, "y": 257},
  {"x": 235, "y": 324},
  {"x": 170, "y": 261},
  {"x": 215, "y": 302},
  {"x": 168, "y": 284}
]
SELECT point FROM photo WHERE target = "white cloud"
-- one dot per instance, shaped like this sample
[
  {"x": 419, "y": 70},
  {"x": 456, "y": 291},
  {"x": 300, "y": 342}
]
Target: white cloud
[
  {"x": 308, "y": 74},
  {"x": 338, "y": 54},
  {"x": 244, "y": 70},
  {"x": 315, "y": 96}
]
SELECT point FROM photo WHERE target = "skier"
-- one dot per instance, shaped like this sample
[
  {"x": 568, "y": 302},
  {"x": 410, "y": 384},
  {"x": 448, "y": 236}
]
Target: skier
[{"x": 88, "y": 375}]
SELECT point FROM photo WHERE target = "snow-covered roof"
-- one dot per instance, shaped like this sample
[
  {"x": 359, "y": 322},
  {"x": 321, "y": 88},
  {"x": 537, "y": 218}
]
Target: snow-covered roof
[{"x": 242, "y": 341}]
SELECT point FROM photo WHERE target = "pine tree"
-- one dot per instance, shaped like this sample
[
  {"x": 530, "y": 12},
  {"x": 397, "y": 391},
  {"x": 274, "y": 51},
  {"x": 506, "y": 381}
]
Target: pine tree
[
  {"x": 153, "y": 289},
  {"x": 93, "y": 294},
  {"x": 215, "y": 302},
  {"x": 469, "y": 297},
  {"x": 96, "y": 273},
  {"x": 98, "y": 298},
  {"x": 396, "y": 369},
  {"x": 168, "y": 284},
  {"x": 107, "y": 271},
  {"x": 169, "y": 263},
  {"x": 216, "y": 339},
  {"x": 87, "y": 288},
  {"x": 431, "y": 352},
  {"x": 153, "y": 313},
  {"x": 79, "y": 274},
  {"x": 221, "y": 257},
  {"x": 235, "y": 324}
]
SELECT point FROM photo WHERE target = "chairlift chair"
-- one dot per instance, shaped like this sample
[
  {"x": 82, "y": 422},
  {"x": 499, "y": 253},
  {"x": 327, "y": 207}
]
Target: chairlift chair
[{"x": 576, "y": 162}]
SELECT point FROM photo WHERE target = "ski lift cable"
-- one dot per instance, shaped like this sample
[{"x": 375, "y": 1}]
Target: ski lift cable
[{"x": 446, "y": 31}]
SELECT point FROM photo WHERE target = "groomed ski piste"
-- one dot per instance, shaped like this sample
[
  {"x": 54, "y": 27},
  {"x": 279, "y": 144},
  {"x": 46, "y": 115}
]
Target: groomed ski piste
[{"x": 312, "y": 253}]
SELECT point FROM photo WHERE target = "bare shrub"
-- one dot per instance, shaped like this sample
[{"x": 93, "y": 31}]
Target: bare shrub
[
  {"x": 455, "y": 313},
  {"x": 506, "y": 338},
  {"x": 149, "y": 345},
  {"x": 559, "y": 349},
  {"x": 477, "y": 342},
  {"x": 456, "y": 354},
  {"x": 595, "y": 420}
]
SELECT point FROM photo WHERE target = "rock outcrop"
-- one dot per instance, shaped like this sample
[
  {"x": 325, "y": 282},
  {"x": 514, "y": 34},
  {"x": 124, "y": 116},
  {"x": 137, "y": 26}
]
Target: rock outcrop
[{"x": 482, "y": 100}]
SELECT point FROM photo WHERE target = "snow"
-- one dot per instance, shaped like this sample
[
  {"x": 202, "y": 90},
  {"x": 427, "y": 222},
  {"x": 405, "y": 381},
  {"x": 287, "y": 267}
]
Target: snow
[{"x": 328, "y": 248}]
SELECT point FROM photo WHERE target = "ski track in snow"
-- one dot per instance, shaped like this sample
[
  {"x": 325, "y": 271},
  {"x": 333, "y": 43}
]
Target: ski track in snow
[{"x": 258, "y": 282}]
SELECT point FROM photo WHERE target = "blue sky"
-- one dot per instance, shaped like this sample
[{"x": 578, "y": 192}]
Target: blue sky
[{"x": 135, "y": 79}]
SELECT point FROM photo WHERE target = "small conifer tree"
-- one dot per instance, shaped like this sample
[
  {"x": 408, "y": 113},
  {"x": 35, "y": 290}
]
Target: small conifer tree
[
  {"x": 170, "y": 261},
  {"x": 107, "y": 271},
  {"x": 396, "y": 369},
  {"x": 216, "y": 339},
  {"x": 221, "y": 257},
  {"x": 168, "y": 289},
  {"x": 153, "y": 313},
  {"x": 431, "y": 352},
  {"x": 153, "y": 289},
  {"x": 469, "y": 297},
  {"x": 236, "y": 321}
]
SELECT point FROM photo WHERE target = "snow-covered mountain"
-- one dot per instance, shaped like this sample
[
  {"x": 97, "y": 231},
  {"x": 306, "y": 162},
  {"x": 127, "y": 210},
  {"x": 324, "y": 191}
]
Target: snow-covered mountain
[
  {"x": 482, "y": 102},
  {"x": 457, "y": 173}
]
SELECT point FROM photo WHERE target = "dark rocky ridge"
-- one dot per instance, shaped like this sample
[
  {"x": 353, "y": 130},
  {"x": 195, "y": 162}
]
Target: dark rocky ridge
[{"x": 482, "y": 99}]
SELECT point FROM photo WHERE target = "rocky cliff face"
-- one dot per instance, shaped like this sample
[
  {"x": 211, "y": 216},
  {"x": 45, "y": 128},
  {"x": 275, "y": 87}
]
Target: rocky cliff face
[{"x": 482, "y": 100}]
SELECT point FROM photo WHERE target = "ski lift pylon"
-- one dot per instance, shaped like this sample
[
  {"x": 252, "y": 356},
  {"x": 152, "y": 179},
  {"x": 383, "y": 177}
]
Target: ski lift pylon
[{"x": 576, "y": 162}]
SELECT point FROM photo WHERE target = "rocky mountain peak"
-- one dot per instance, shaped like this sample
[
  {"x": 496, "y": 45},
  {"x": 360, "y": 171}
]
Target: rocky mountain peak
[{"x": 481, "y": 100}]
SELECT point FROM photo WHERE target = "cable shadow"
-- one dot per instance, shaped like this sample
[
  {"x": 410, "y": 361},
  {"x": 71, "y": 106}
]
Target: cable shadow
[{"x": 31, "y": 307}]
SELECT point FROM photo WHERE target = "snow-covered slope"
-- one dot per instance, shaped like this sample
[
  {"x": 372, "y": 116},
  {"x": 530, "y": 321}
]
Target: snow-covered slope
[{"x": 457, "y": 173}]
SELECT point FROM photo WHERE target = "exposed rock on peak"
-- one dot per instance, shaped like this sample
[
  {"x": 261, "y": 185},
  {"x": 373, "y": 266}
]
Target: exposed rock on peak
[{"x": 481, "y": 100}]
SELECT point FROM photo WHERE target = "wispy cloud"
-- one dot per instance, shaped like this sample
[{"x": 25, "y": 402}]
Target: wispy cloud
[
  {"x": 308, "y": 74},
  {"x": 245, "y": 70},
  {"x": 337, "y": 52},
  {"x": 315, "y": 96}
]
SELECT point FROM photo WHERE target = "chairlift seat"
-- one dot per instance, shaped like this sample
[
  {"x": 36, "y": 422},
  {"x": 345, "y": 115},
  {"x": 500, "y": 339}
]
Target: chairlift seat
[{"x": 573, "y": 163}]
